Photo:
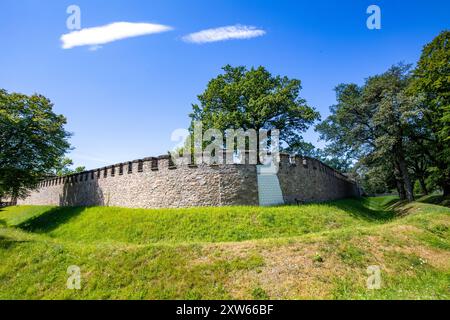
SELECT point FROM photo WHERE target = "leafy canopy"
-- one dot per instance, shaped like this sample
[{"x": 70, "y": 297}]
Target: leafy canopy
[
  {"x": 375, "y": 122},
  {"x": 254, "y": 99},
  {"x": 64, "y": 167},
  {"x": 431, "y": 82},
  {"x": 32, "y": 141}
]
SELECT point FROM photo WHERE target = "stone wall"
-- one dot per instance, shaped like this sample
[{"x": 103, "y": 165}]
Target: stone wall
[
  {"x": 151, "y": 183},
  {"x": 303, "y": 179},
  {"x": 156, "y": 183}
]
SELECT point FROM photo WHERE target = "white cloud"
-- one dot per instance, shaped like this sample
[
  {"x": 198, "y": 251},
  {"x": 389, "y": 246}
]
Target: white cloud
[
  {"x": 224, "y": 33},
  {"x": 108, "y": 33}
]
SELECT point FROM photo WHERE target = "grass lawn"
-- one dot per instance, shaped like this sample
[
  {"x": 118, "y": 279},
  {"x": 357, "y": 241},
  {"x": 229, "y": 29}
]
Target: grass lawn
[{"x": 318, "y": 251}]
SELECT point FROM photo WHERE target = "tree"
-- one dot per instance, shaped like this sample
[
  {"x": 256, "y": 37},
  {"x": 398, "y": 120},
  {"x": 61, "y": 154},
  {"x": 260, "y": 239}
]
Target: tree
[
  {"x": 340, "y": 162},
  {"x": 374, "y": 122},
  {"x": 32, "y": 140},
  {"x": 419, "y": 161},
  {"x": 431, "y": 81},
  {"x": 254, "y": 99},
  {"x": 63, "y": 167},
  {"x": 376, "y": 179}
]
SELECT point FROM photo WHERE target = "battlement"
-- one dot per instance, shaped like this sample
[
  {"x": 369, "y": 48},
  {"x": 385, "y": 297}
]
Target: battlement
[
  {"x": 155, "y": 182},
  {"x": 164, "y": 162},
  {"x": 312, "y": 163}
]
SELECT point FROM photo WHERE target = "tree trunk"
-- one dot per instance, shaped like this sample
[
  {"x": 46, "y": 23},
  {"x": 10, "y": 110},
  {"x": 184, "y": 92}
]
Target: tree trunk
[
  {"x": 446, "y": 188},
  {"x": 399, "y": 183},
  {"x": 403, "y": 169},
  {"x": 406, "y": 180},
  {"x": 401, "y": 190},
  {"x": 423, "y": 185}
]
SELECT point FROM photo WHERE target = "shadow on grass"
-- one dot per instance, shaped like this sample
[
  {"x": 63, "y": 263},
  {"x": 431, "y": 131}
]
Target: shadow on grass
[
  {"x": 363, "y": 208},
  {"x": 399, "y": 207},
  {"x": 436, "y": 199},
  {"x": 6, "y": 243},
  {"x": 393, "y": 203},
  {"x": 50, "y": 219}
]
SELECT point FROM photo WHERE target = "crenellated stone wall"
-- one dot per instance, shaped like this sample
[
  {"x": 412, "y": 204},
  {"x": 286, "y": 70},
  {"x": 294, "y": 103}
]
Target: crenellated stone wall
[
  {"x": 156, "y": 183},
  {"x": 304, "y": 179}
]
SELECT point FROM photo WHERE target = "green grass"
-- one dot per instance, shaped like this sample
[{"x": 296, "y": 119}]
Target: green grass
[
  {"x": 14, "y": 216},
  {"x": 435, "y": 199},
  {"x": 99, "y": 224},
  {"x": 287, "y": 252}
]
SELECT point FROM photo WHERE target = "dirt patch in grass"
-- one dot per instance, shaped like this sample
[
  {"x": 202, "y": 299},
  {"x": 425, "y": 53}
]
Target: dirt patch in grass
[
  {"x": 413, "y": 246},
  {"x": 312, "y": 269},
  {"x": 296, "y": 270}
]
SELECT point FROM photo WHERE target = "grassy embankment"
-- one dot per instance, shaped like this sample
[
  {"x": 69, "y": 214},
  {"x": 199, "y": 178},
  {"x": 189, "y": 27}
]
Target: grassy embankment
[{"x": 289, "y": 252}]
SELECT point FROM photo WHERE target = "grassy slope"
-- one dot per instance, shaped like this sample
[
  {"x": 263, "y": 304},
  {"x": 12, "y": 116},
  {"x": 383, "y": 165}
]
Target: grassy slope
[
  {"x": 435, "y": 199},
  {"x": 312, "y": 251},
  {"x": 138, "y": 226}
]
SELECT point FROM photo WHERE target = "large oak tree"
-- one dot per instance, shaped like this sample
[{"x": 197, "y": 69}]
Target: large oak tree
[
  {"x": 32, "y": 141},
  {"x": 255, "y": 99}
]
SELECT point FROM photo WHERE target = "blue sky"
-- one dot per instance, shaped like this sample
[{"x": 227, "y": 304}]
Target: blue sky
[{"x": 124, "y": 100}]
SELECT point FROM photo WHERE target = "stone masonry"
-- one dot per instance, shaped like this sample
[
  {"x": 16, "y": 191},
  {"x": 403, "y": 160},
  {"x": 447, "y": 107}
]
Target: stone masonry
[{"x": 156, "y": 183}]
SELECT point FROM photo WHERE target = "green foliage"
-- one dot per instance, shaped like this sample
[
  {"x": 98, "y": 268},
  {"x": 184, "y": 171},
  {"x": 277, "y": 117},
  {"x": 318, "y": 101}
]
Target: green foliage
[
  {"x": 431, "y": 83},
  {"x": 254, "y": 99},
  {"x": 417, "y": 188},
  {"x": 64, "y": 165},
  {"x": 431, "y": 79},
  {"x": 341, "y": 162},
  {"x": 32, "y": 140},
  {"x": 378, "y": 179},
  {"x": 396, "y": 127},
  {"x": 373, "y": 123}
]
